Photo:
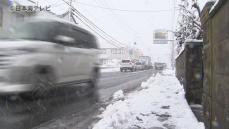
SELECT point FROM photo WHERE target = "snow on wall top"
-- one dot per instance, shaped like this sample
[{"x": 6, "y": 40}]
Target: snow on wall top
[
  {"x": 181, "y": 51},
  {"x": 186, "y": 42},
  {"x": 193, "y": 40},
  {"x": 213, "y": 7}
]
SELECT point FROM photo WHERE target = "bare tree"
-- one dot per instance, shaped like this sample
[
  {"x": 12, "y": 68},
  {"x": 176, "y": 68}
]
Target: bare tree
[{"x": 189, "y": 25}]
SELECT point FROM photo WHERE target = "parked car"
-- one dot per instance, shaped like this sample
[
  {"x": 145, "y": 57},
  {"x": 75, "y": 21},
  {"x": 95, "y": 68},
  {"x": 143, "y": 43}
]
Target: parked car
[
  {"x": 159, "y": 66},
  {"x": 127, "y": 65},
  {"x": 39, "y": 55},
  {"x": 139, "y": 66}
]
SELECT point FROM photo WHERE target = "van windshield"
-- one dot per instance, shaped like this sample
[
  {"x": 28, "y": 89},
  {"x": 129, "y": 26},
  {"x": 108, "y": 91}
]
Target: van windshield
[{"x": 29, "y": 30}]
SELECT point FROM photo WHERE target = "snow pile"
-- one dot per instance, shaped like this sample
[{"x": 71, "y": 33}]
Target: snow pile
[
  {"x": 161, "y": 104},
  {"x": 119, "y": 95},
  {"x": 145, "y": 85},
  {"x": 168, "y": 72},
  {"x": 193, "y": 41},
  {"x": 112, "y": 69}
]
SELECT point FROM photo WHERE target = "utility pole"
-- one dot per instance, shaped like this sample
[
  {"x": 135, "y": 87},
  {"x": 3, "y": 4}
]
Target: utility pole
[
  {"x": 173, "y": 35},
  {"x": 70, "y": 10},
  {"x": 172, "y": 53}
]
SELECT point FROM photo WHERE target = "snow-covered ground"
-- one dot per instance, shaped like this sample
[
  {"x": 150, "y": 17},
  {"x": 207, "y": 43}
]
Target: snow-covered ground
[
  {"x": 110, "y": 69},
  {"x": 158, "y": 104}
]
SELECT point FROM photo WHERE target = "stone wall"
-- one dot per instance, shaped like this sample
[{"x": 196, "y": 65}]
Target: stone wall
[
  {"x": 189, "y": 71},
  {"x": 216, "y": 65}
]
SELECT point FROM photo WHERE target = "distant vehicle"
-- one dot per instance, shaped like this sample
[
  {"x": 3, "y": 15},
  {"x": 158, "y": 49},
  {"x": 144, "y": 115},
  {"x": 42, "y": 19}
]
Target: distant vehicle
[
  {"x": 139, "y": 66},
  {"x": 44, "y": 54},
  {"x": 127, "y": 65},
  {"x": 146, "y": 62},
  {"x": 159, "y": 66}
]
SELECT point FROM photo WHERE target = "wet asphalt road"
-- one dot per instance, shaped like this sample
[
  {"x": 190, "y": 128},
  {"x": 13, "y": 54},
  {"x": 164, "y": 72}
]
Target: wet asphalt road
[{"x": 66, "y": 108}]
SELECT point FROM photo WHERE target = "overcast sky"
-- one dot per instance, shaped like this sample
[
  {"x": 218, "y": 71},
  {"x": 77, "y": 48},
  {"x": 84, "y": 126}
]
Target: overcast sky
[{"x": 126, "y": 27}]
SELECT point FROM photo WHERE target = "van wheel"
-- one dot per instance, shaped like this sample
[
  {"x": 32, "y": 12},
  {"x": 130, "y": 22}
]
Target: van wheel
[
  {"x": 94, "y": 78},
  {"x": 93, "y": 89},
  {"x": 43, "y": 81}
]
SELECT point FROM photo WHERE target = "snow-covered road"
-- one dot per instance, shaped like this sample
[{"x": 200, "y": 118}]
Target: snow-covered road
[
  {"x": 159, "y": 104},
  {"x": 66, "y": 110},
  {"x": 156, "y": 104}
]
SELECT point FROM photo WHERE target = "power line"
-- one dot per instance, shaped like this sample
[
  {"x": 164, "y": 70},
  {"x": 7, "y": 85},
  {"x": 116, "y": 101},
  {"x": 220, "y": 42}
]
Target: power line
[
  {"x": 94, "y": 26},
  {"x": 125, "y": 10},
  {"x": 57, "y": 4},
  {"x": 112, "y": 13},
  {"x": 95, "y": 31},
  {"x": 124, "y": 24},
  {"x": 90, "y": 22},
  {"x": 106, "y": 35}
]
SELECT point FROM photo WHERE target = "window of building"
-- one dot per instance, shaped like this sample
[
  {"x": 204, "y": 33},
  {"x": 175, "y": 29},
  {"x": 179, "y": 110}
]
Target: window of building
[{"x": 115, "y": 51}]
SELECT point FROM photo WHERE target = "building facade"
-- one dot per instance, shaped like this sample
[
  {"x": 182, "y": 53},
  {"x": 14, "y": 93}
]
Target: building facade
[{"x": 113, "y": 56}]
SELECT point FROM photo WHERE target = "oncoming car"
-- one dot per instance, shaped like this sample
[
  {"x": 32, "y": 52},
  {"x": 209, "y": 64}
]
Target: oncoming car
[
  {"x": 39, "y": 55},
  {"x": 139, "y": 66},
  {"x": 159, "y": 66},
  {"x": 127, "y": 65}
]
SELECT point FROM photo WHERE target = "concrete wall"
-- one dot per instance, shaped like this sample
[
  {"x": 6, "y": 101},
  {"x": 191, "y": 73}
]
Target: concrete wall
[
  {"x": 216, "y": 65},
  {"x": 189, "y": 71},
  {"x": 180, "y": 68}
]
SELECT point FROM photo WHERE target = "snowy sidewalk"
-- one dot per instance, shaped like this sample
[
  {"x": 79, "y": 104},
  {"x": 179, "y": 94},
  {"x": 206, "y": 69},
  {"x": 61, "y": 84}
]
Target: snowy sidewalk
[{"x": 160, "y": 104}]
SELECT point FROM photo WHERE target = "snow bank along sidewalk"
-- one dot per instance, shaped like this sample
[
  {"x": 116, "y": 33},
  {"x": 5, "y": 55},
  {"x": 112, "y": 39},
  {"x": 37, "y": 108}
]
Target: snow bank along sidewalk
[
  {"x": 112, "y": 69},
  {"x": 160, "y": 104}
]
